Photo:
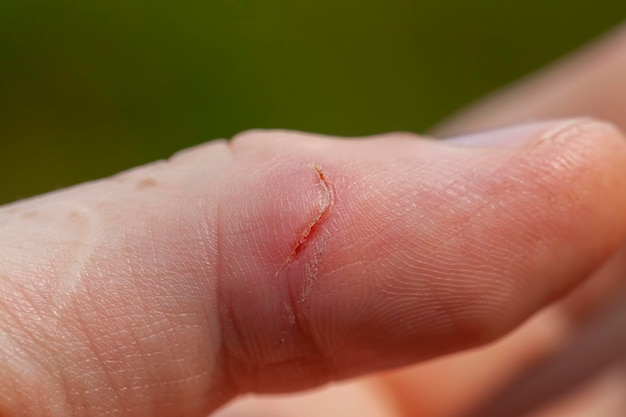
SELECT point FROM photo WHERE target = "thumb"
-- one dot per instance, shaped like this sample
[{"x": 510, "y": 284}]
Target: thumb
[{"x": 279, "y": 261}]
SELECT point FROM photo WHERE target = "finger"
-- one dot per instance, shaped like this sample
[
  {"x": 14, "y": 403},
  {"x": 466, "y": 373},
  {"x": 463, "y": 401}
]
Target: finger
[
  {"x": 603, "y": 397},
  {"x": 377, "y": 262},
  {"x": 589, "y": 83},
  {"x": 598, "y": 346},
  {"x": 449, "y": 386},
  {"x": 282, "y": 261},
  {"x": 364, "y": 398}
]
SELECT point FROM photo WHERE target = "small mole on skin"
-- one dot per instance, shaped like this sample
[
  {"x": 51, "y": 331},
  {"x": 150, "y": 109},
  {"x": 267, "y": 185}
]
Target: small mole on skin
[
  {"x": 146, "y": 183},
  {"x": 29, "y": 214}
]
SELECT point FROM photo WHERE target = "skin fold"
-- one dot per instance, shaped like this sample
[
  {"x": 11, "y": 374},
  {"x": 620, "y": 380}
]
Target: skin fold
[{"x": 280, "y": 261}]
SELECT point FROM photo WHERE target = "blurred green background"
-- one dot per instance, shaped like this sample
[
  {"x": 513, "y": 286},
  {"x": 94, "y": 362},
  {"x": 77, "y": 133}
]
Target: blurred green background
[{"x": 91, "y": 87}]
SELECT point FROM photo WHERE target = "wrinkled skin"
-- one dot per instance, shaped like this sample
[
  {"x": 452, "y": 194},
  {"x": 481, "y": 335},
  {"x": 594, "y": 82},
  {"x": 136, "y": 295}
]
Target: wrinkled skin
[{"x": 280, "y": 261}]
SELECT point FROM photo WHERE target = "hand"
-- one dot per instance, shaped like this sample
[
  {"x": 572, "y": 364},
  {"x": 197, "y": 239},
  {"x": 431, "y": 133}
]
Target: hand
[{"x": 280, "y": 261}]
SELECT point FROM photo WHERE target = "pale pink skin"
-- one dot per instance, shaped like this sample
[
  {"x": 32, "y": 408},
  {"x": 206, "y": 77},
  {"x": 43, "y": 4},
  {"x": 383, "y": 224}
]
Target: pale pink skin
[{"x": 280, "y": 261}]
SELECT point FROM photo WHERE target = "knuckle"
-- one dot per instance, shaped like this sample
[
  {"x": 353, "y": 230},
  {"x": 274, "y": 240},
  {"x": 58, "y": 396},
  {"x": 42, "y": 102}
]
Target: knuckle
[{"x": 272, "y": 250}]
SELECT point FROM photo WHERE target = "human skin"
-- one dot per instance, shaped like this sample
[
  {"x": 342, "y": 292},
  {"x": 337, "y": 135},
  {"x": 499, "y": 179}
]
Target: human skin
[{"x": 279, "y": 261}]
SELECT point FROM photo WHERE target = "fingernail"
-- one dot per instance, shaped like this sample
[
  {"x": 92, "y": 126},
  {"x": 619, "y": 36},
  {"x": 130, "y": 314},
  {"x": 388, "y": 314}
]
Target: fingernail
[{"x": 515, "y": 136}]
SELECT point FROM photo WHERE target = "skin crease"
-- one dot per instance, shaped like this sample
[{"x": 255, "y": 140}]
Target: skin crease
[{"x": 149, "y": 294}]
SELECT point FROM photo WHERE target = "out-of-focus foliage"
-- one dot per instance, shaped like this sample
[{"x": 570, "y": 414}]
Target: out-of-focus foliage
[{"x": 90, "y": 87}]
